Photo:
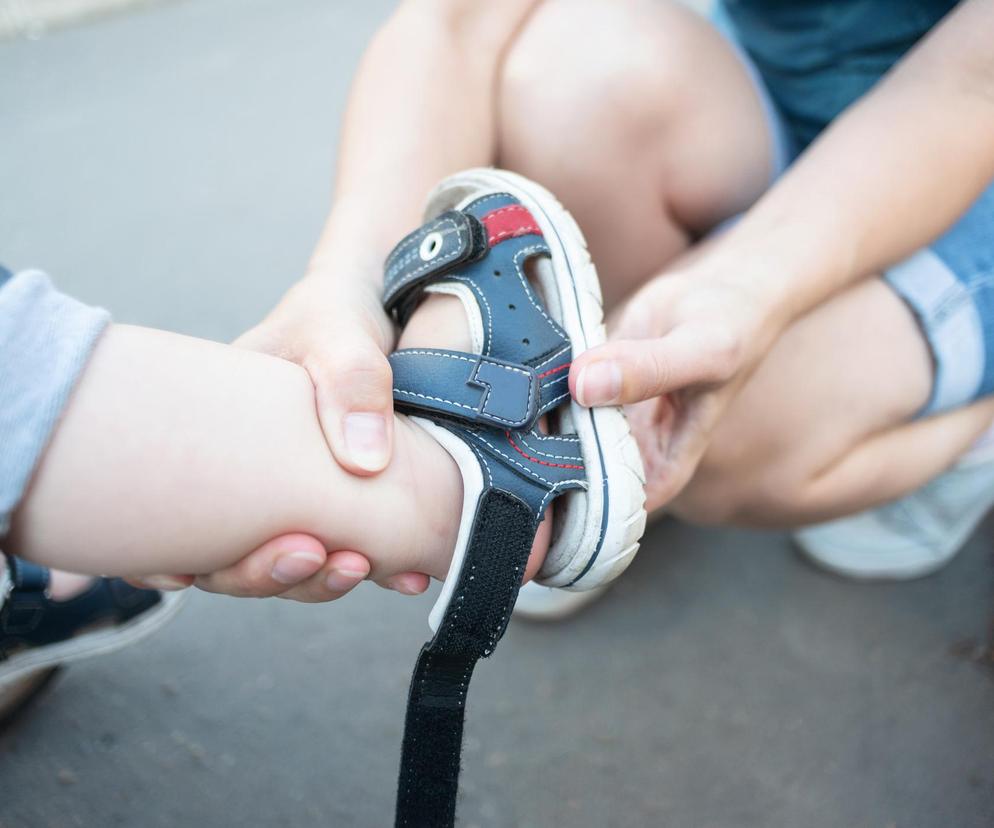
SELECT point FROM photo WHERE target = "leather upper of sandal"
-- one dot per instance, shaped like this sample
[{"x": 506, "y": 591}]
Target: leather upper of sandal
[
  {"x": 492, "y": 399},
  {"x": 29, "y": 618},
  {"x": 483, "y": 406}
]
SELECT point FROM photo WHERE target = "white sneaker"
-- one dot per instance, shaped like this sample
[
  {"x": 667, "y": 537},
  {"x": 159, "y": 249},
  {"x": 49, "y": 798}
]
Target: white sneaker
[
  {"x": 911, "y": 537},
  {"x": 541, "y": 603}
]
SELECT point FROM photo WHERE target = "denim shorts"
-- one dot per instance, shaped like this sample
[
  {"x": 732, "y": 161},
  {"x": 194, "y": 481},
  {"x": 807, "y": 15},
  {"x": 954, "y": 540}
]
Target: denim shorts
[{"x": 949, "y": 285}]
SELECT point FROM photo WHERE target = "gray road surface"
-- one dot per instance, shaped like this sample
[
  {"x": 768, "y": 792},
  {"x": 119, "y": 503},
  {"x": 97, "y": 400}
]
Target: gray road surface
[{"x": 173, "y": 165}]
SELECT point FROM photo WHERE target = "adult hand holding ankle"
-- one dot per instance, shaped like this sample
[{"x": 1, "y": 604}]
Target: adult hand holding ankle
[{"x": 332, "y": 324}]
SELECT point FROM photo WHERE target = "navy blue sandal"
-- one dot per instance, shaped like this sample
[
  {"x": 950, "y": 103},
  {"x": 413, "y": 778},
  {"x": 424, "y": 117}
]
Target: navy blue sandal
[
  {"x": 519, "y": 264},
  {"x": 37, "y": 633}
]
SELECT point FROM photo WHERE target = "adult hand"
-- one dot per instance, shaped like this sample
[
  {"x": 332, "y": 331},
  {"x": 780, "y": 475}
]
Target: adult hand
[
  {"x": 332, "y": 324},
  {"x": 681, "y": 348},
  {"x": 291, "y": 566}
]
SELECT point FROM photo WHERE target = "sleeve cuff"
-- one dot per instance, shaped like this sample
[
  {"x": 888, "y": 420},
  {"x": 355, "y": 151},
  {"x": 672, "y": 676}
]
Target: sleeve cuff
[{"x": 46, "y": 339}]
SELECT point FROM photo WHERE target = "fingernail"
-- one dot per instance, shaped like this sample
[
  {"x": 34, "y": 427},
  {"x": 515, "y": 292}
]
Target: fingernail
[
  {"x": 407, "y": 586},
  {"x": 164, "y": 582},
  {"x": 599, "y": 384},
  {"x": 294, "y": 567},
  {"x": 366, "y": 440},
  {"x": 339, "y": 580}
]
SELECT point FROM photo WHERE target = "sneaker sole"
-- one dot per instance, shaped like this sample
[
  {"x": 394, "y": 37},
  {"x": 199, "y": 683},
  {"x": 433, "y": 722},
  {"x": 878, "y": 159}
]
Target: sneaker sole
[
  {"x": 616, "y": 516},
  {"x": 878, "y": 574}
]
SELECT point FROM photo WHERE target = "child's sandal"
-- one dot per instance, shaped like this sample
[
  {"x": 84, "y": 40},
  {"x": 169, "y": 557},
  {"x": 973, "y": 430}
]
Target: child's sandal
[
  {"x": 39, "y": 633},
  {"x": 487, "y": 233}
]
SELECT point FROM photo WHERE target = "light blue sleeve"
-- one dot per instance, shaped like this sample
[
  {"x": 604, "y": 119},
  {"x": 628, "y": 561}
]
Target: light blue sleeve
[{"x": 45, "y": 340}]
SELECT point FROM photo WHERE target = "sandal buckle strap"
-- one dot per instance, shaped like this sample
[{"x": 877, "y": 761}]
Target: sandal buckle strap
[
  {"x": 26, "y": 576},
  {"x": 472, "y": 388},
  {"x": 434, "y": 249}
]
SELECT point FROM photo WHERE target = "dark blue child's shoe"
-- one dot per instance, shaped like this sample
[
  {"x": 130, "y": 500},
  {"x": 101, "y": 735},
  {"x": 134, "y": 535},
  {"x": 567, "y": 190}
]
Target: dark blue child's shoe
[
  {"x": 519, "y": 265},
  {"x": 37, "y": 633}
]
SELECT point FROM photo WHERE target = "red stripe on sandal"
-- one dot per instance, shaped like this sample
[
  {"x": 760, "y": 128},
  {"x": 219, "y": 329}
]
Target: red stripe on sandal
[
  {"x": 509, "y": 223},
  {"x": 527, "y": 456}
]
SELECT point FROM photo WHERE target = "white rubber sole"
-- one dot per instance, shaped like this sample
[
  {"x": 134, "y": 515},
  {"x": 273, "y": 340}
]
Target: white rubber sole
[
  {"x": 613, "y": 506},
  {"x": 86, "y": 645},
  {"x": 543, "y": 604}
]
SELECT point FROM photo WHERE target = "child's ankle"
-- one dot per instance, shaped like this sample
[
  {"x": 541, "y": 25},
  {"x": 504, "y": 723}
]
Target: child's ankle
[{"x": 440, "y": 322}]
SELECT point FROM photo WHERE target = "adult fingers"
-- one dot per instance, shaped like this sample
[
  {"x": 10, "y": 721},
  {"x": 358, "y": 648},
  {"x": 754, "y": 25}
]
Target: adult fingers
[
  {"x": 336, "y": 578},
  {"x": 342, "y": 572},
  {"x": 629, "y": 371},
  {"x": 355, "y": 401},
  {"x": 163, "y": 583},
  {"x": 407, "y": 583},
  {"x": 270, "y": 570}
]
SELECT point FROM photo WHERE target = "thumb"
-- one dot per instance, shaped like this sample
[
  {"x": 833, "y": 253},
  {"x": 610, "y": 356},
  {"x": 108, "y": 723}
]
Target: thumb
[
  {"x": 629, "y": 371},
  {"x": 355, "y": 401}
]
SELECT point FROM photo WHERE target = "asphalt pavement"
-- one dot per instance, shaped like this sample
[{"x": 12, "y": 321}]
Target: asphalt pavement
[{"x": 173, "y": 165}]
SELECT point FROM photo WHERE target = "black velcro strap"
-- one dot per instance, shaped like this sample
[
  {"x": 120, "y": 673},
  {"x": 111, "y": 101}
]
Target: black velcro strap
[
  {"x": 430, "y": 757},
  {"x": 431, "y": 251},
  {"x": 474, "y": 621}
]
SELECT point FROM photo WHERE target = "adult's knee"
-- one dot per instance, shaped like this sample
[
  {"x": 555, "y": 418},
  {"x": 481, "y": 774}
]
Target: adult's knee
[
  {"x": 583, "y": 72},
  {"x": 589, "y": 94}
]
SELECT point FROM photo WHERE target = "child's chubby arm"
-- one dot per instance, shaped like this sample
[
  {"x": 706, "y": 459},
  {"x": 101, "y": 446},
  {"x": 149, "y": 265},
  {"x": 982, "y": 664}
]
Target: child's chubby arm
[{"x": 176, "y": 455}]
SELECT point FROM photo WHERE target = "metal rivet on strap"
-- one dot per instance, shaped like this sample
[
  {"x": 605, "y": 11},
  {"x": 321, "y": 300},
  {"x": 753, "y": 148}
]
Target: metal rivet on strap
[{"x": 431, "y": 246}]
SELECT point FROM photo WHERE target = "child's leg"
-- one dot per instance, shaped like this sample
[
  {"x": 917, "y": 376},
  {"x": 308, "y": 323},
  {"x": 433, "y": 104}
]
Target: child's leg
[{"x": 177, "y": 454}]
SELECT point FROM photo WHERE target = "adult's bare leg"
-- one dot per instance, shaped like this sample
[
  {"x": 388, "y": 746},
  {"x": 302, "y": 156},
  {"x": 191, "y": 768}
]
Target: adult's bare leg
[
  {"x": 825, "y": 427},
  {"x": 605, "y": 103}
]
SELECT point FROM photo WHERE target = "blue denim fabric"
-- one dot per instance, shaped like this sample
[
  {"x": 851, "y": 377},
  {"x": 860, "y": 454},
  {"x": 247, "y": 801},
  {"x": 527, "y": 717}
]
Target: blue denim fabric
[
  {"x": 961, "y": 325},
  {"x": 809, "y": 60},
  {"x": 818, "y": 56}
]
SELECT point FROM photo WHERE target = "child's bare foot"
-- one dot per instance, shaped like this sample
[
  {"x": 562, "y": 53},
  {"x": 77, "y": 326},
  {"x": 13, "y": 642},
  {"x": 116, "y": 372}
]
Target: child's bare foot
[{"x": 66, "y": 585}]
